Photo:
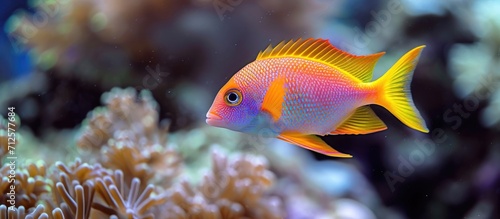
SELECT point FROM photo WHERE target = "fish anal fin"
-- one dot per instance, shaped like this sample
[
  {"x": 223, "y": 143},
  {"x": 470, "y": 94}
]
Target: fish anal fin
[
  {"x": 311, "y": 142},
  {"x": 362, "y": 121},
  {"x": 361, "y": 67},
  {"x": 274, "y": 98}
]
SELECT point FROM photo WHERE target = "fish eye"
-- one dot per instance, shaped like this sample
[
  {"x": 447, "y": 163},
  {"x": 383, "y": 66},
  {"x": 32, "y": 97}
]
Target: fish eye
[{"x": 233, "y": 97}]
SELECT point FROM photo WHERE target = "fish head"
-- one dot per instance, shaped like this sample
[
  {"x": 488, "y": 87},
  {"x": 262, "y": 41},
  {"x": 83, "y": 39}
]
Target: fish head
[{"x": 233, "y": 108}]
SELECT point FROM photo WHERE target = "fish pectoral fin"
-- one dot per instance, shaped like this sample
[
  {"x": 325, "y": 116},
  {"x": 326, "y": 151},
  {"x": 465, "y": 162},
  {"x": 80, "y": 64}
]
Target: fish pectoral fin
[
  {"x": 311, "y": 142},
  {"x": 362, "y": 121},
  {"x": 274, "y": 98}
]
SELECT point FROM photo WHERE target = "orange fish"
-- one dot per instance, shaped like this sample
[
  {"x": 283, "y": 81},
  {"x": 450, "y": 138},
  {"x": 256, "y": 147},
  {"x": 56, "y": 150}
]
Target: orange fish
[{"x": 305, "y": 88}]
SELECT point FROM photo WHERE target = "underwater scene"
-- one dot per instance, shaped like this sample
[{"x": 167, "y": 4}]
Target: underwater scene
[{"x": 250, "y": 109}]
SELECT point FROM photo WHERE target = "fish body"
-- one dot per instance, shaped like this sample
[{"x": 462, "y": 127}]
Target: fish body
[
  {"x": 318, "y": 97},
  {"x": 301, "y": 89}
]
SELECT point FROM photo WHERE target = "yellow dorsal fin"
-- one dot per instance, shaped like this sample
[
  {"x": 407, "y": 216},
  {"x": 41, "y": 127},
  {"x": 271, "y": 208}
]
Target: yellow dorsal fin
[
  {"x": 362, "y": 121},
  {"x": 319, "y": 50},
  {"x": 273, "y": 100}
]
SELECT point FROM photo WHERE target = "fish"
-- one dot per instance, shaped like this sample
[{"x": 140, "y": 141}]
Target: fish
[{"x": 302, "y": 89}]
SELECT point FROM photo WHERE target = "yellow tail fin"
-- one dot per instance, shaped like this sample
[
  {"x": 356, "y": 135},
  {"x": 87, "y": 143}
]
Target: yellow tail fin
[{"x": 395, "y": 94}]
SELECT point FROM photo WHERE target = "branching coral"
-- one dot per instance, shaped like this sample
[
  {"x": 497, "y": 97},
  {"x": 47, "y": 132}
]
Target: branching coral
[
  {"x": 20, "y": 212},
  {"x": 244, "y": 180},
  {"x": 123, "y": 155},
  {"x": 104, "y": 196},
  {"x": 81, "y": 172},
  {"x": 127, "y": 115},
  {"x": 130, "y": 151},
  {"x": 126, "y": 202},
  {"x": 77, "y": 201},
  {"x": 234, "y": 188},
  {"x": 127, "y": 133},
  {"x": 80, "y": 191},
  {"x": 32, "y": 186},
  {"x": 29, "y": 184},
  {"x": 73, "y": 188}
]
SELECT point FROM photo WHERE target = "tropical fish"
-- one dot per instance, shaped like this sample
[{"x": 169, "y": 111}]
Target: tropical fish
[{"x": 305, "y": 88}]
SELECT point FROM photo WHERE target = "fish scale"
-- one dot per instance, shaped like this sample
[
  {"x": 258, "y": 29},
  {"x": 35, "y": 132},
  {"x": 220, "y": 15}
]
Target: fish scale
[{"x": 328, "y": 93}]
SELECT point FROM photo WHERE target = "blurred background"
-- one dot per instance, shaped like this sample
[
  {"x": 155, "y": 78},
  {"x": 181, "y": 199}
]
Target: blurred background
[{"x": 64, "y": 62}]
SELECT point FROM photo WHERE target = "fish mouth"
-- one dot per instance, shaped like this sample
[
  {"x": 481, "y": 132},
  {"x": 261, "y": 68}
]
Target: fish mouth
[{"x": 213, "y": 119}]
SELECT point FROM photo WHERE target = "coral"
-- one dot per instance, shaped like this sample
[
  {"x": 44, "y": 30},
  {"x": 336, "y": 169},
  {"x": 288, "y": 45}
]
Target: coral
[
  {"x": 72, "y": 188},
  {"x": 243, "y": 180},
  {"x": 196, "y": 145},
  {"x": 126, "y": 132},
  {"x": 81, "y": 172},
  {"x": 20, "y": 212},
  {"x": 236, "y": 188},
  {"x": 30, "y": 183},
  {"x": 127, "y": 115},
  {"x": 132, "y": 148},
  {"x": 121, "y": 201},
  {"x": 77, "y": 201},
  {"x": 81, "y": 191},
  {"x": 123, "y": 155}
]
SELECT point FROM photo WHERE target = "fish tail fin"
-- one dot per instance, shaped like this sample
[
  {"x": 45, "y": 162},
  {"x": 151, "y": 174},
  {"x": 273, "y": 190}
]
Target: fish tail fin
[{"x": 394, "y": 91}]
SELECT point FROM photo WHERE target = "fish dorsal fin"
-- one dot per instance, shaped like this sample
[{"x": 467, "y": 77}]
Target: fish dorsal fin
[
  {"x": 319, "y": 50},
  {"x": 362, "y": 121},
  {"x": 273, "y": 100}
]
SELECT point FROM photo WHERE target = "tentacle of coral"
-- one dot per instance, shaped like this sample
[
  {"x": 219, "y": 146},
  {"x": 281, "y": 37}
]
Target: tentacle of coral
[
  {"x": 66, "y": 196},
  {"x": 88, "y": 188},
  {"x": 145, "y": 201},
  {"x": 104, "y": 209},
  {"x": 57, "y": 214},
  {"x": 39, "y": 210},
  {"x": 134, "y": 192},
  {"x": 80, "y": 210}
]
